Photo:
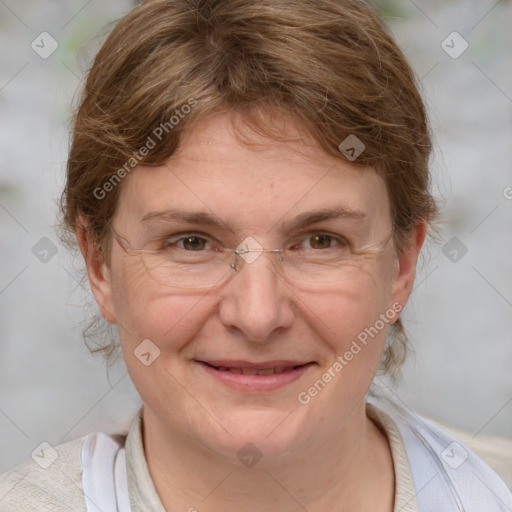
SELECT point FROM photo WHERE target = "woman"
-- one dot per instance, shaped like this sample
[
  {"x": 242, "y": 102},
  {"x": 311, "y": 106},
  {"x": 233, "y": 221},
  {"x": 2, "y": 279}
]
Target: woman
[{"x": 248, "y": 186}]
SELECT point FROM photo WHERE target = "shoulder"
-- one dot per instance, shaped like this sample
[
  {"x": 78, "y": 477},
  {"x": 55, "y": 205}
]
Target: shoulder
[
  {"x": 50, "y": 480},
  {"x": 476, "y": 468},
  {"x": 496, "y": 452}
]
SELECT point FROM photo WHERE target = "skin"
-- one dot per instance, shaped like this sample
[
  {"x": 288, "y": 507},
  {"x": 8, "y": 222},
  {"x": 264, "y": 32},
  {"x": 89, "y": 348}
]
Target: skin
[{"x": 324, "y": 455}]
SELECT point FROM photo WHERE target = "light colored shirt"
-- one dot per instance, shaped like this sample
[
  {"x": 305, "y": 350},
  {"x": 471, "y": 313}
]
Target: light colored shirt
[{"x": 54, "y": 482}]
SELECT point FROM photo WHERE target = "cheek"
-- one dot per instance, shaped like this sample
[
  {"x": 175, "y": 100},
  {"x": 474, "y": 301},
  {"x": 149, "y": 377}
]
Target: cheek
[
  {"x": 352, "y": 332},
  {"x": 172, "y": 323},
  {"x": 146, "y": 310},
  {"x": 355, "y": 305},
  {"x": 165, "y": 319}
]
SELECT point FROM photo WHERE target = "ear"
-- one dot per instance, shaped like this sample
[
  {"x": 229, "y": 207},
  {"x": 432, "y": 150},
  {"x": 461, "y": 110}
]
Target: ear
[
  {"x": 97, "y": 270},
  {"x": 405, "y": 270}
]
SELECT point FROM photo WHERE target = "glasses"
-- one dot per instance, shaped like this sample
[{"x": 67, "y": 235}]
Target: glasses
[{"x": 193, "y": 260}]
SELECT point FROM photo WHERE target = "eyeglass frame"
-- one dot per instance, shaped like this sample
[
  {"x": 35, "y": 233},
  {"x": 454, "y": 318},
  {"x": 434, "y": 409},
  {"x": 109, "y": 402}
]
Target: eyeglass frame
[{"x": 128, "y": 249}]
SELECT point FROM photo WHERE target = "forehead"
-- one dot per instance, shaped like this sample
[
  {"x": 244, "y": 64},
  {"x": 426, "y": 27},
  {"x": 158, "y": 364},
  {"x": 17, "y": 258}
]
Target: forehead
[{"x": 255, "y": 185}]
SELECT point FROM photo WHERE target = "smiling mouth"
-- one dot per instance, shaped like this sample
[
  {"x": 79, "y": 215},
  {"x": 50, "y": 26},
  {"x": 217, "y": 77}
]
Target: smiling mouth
[
  {"x": 255, "y": 371},
  {"x": 255, "y": 378}
]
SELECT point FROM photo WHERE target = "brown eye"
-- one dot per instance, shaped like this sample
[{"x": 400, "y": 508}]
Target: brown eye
[
  {"x": 320, "y": 241},
  {"x": 192, "y": 243}
]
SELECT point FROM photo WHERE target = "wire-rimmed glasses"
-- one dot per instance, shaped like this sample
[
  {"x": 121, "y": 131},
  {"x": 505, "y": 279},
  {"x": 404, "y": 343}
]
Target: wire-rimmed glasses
[{"x": 193, "y": 260}]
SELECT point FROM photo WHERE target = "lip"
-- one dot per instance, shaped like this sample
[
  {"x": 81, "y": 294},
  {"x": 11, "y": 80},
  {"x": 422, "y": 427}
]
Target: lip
[{"x": 255, "y": 383}]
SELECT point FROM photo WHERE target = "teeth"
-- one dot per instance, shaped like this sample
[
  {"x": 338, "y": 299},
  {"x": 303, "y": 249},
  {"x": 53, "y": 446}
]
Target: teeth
[
  {"x": 267, "y": 371},
  {"x": 254, "y": 371}
]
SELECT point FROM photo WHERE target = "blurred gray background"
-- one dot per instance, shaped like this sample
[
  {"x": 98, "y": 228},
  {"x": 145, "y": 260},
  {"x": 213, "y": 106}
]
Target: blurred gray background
[{"x": 460, "y": 313}]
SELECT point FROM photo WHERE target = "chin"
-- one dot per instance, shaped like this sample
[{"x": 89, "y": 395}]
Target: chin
[{"x": 258, "y": 435}]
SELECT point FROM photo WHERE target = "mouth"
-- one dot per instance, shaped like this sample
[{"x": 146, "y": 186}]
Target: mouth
[{"x": 256, "y": 377}]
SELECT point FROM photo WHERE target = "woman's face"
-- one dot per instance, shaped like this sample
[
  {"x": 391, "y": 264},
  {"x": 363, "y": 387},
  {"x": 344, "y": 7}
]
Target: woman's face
[{"x": 332, "y": 330}]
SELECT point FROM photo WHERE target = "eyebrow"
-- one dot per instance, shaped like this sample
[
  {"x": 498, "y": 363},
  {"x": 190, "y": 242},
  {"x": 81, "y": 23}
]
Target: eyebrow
[
  {"x": 336, "y": 212},
  {"x": 300, "y": 221},
  {"x": 191, "y": 217}
]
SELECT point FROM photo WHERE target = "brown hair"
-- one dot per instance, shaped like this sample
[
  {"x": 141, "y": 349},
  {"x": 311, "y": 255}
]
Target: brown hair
[{"x": 328, "y": 63}]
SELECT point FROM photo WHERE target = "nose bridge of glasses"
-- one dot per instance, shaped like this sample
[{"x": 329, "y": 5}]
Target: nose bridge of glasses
[
  {"x": 250, "y": 255},
  {"x": 249, "y": 250}
]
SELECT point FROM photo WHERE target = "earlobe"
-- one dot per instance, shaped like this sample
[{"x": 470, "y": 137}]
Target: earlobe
[{"x": 97, "y": 271}]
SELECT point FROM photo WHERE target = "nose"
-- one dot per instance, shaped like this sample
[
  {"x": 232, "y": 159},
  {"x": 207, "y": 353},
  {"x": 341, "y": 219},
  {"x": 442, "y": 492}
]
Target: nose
[{"x": 256, "y": 302}]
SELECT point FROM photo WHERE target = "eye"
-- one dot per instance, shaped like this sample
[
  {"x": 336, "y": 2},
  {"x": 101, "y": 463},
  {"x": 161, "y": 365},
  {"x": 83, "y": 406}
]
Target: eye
[
  {"x": 192, "y": 243},
  {"x": 322, "y": 241},
  {"x": 188, "y": 242}
]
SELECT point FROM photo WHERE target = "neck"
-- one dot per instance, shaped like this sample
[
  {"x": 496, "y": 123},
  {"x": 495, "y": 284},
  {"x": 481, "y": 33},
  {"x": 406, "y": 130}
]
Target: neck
[{"x": 352, "y": 471}]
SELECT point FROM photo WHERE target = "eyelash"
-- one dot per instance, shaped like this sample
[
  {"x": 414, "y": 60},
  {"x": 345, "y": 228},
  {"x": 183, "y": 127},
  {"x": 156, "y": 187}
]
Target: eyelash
[{"x": 175, "y": 239}]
